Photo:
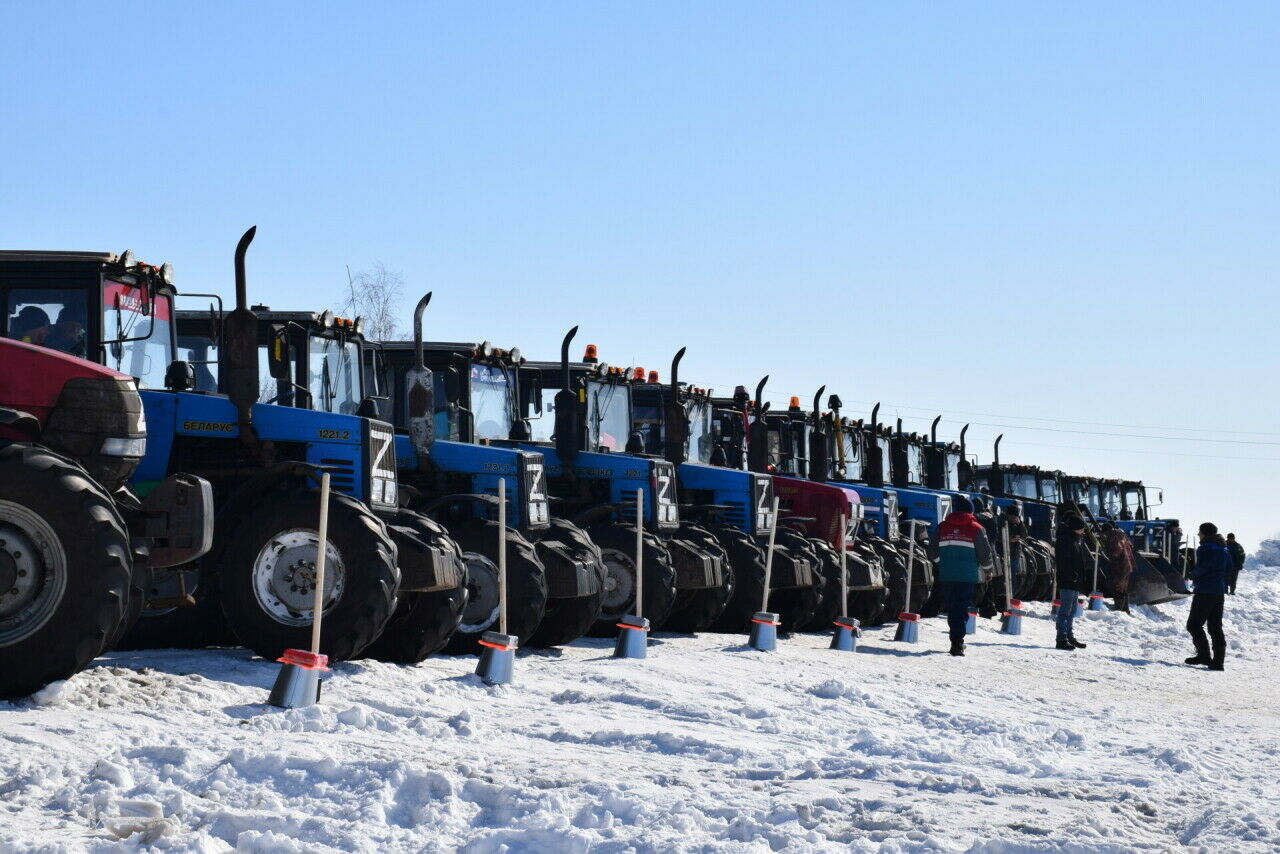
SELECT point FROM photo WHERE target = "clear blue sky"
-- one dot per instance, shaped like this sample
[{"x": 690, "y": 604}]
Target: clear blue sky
[{"x": 1065, "y": 212}]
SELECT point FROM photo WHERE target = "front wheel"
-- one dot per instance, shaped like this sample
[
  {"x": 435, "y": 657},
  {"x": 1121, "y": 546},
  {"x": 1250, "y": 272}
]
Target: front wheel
[
  {"x": 698, "y": 609},
  {"x": 831, "y": 606},
  {"x": 618, "y": 547},
  {"x": 268, "y": 576},
  {"x": 65, "y": 567},
  {"x": 423, "y": 622},
  {"x": 526, "y": 585},
  {"x": 567, "y": 620}
]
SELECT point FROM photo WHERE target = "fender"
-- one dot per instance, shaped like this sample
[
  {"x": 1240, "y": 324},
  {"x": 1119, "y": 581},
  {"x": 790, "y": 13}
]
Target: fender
[
  {"x": 251, "y": 493},
  {"x": 23, "y": 423}
]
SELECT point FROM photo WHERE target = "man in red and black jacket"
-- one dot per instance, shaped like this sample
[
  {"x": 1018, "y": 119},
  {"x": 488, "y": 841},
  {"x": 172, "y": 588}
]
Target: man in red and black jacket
[{"x": 963, "y": 554}]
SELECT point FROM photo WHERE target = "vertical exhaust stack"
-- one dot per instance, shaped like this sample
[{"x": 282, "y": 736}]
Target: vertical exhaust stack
[
  {"x": 240, "y": 337},
  {"x": 420, "y": 390},
  {"x": 758, "y": 434},
  {"x": 933, "y": 431},
  {"x": 569, "y": 408},
  {"x": 966, "y": 470},
  {"x": 676, "y": 420},
  {"x": 819, "y": 446}
]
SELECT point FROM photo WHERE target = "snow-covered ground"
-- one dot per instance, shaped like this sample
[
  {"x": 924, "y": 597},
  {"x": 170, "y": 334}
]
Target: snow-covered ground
[{"x": 705, "y": 746}]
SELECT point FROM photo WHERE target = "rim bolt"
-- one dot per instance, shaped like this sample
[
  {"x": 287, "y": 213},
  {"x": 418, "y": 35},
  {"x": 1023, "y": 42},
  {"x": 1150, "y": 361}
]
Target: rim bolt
[
  {"x": 22, "y": 573},
  {"x": 17, "y": 554}
]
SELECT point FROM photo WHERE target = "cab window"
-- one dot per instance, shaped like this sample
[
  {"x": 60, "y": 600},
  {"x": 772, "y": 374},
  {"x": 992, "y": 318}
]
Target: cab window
[
  {"x": 54, "y": 318},
  {"x": 136, "y": 332}
]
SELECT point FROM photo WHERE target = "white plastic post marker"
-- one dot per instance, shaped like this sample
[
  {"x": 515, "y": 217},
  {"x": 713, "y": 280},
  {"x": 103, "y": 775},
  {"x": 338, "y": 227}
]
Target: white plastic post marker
[
  {"x": 764, "y": 624},
  {"x": 498, "y": 649},
  {"x": 633, "y": 630},
  {"x": 298, "y": 682},
  {"x": 908, "y": 621}
]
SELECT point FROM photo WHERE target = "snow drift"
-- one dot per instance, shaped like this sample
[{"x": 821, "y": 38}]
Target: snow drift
[{"x": 705, "y": 746}]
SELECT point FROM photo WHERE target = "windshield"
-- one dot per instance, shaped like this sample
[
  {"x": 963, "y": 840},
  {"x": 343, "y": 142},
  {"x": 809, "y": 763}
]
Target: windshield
[
  {"x": 701, "y": 441},
  {"x": 1133, "y": 498},
  {"x": 883, "y": 444},
  {"x": 852, "y": 456},
  {"x": 915, "y": 464},
  {"x": 609, "y": 416},
  {"x": 137, "y": 344},
  {"x": 952, "y": 462},
  {"x": 1021, "y": 485},
  {"x": 1093, "y": 499},
  {"x": 334, "y": 380},
  {"x": 1111, "y": 500},
  {"x": 1049, "y": 489},
  {"x": 491, "y": 402}
]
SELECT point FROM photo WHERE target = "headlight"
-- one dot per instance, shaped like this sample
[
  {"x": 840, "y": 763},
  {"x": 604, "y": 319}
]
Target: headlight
[
  {"x": 383, "y": 491},
  {"x": 117, "y": 447}
]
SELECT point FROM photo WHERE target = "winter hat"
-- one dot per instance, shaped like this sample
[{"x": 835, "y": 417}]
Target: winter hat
[
  {"x": 1075, "y": 523},
  {"x": 1208, "y": 529},
  {"x": 961, "y": 504}
]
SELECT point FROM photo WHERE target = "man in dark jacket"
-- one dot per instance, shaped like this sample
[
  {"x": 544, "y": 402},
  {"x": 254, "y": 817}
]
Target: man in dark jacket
[
  {"x": 1237, "y": 562},
  {"x": 1017, "y": 533},
  {"x": 1120, "y": 563},
  {"x": 963, "y": 554},
  {"x": 1074, "y": 565},
  {"x": 1213, "y": 565}
]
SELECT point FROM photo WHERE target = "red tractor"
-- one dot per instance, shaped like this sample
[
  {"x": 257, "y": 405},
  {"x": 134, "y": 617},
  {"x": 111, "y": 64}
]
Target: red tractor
[{"x": 76, "y": 545}]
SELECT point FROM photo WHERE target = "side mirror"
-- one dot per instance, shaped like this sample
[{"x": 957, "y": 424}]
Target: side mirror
[
  {"x": 278, "y": 354},
  {"x": 180, "y": 376},
  {"x": 452, "y": 385}
]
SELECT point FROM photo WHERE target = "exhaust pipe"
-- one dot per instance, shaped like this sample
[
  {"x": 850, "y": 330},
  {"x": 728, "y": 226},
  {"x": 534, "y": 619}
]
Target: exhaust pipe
[
  {"x": 240, "y": 337},
  {"x": 933, "y": 431},
  {"x": 758, "y": 434},
  {"x": 677, "y": 420},
  {"x": 569, "y": 420},
  {"x": 819, "y": 447},
  {"x": 420, "y": 389}
]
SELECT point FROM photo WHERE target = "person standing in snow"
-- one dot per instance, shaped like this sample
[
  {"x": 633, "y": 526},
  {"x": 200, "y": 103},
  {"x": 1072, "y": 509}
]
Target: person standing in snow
[
  {"x": 963, "y": 554},
  {"x": 1212, "y": 568},
  {"x": 1120, "y": 563},
  {"x": 1074, "y": 564},
  {"x": 1237, "y": 562},
  {"x": 1017, "y": 532}
]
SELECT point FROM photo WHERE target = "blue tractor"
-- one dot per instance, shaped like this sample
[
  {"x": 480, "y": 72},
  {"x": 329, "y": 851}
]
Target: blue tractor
[
  {"x": 456, "y": 406},
  {"x": 580, "y": 418},
  {"x": 681, "y": 423},
  {"x": 316, "y": 363},
  {"x": 263, "y": 463}
]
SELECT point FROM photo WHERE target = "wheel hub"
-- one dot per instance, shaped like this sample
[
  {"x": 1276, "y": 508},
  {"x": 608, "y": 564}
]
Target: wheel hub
[
  {"x": 33, "y": 572},
  {"x": 481, "y": 611},
  {"x": 619, "y": 583},
  {"x": 284, "y": 576}
]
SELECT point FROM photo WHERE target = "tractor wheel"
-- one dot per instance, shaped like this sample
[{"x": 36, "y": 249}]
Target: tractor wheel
[
  {"x": 618, "y": 548},
  {"x": 830, "y": 607},
  {"x": 566, "y": 620},
  {"x": 867, "y": 606},
  {"x": 746, "y": 560},
  {"x": 139, "y": 581},
  {"x": 65, "y": 566},
  {"x": 267, "y": 580},
  {"x": 526, "y": 585},
  {"x": 795, "y": 606},
  {"x": 895, "y": 582},
  {"x": 423, "y": 622},
  {"x": 697, "y": 610}
]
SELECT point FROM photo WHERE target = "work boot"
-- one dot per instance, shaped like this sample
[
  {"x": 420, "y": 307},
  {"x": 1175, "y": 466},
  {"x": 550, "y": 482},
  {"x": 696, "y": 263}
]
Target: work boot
[
  {"x": 957, "y": 647},
  {"x": 1199, "y": 659},
  {"x": 1076, "y": 643},
  {"x": 1219, "y": 657},
  {"x": 1065, "y": 644}
]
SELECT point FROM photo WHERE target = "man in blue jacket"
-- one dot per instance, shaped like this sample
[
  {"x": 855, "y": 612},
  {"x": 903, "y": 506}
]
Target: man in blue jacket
[
  {"x": 1213, "y": 565},
  {"x": 964, "y": 560}
]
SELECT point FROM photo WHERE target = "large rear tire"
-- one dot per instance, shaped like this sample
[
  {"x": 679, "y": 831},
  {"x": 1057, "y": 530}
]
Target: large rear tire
[
  {"x": 526, "y": 585},
  {"x": 268, "y": 576},
  {"x": 746, "y": 560},
  {"x": 422, "y": 622},
  {"x": 617, "y": 544},
  {"x": 795, "y": 606},
  {"x": 65, "y": 568},
  {"x": 830, "y": 607},
  {"x": 697, "y": 610},
  {"x": 566, "y": 620},
  {"x": 188, "y": 627}
]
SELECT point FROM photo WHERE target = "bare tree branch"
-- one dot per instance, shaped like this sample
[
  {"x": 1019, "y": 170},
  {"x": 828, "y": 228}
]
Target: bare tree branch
[{"x": 375, "y": 295}]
